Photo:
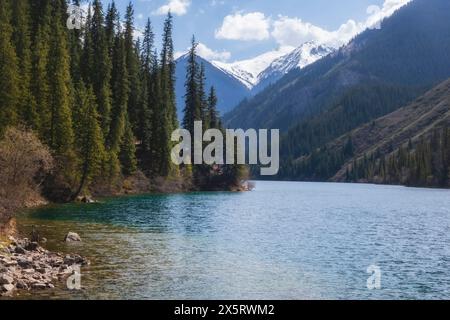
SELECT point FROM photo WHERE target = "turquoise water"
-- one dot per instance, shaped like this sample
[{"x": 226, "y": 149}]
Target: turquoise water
[{"x": 282, "y": 241}]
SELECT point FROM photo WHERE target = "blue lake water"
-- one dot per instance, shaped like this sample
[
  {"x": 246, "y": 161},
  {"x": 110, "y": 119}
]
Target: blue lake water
[{"x": 285, "y": 240}]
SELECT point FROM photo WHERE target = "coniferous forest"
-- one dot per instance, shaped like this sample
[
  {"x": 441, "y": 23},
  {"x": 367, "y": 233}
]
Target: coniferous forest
[{"x": 100, "y": 101}]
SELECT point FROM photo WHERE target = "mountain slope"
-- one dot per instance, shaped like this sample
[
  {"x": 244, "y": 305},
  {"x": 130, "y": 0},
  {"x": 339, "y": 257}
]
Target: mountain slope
[
  {"x": 369, "y": 153},
  {"x": 411, "y": 49},
  {"x": 229, "y": 90},
  {"x": 410, "y": 146}
]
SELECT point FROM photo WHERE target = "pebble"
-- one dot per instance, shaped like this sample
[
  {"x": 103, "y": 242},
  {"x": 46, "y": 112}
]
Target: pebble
[{"x": 26, "y": 266}]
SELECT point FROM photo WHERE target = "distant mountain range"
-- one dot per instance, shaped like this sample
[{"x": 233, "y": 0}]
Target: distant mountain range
[
  {"x": 377, "y": 73},
  {"x": 237, "y": 81},
  {"x": 412, "y": 49}
]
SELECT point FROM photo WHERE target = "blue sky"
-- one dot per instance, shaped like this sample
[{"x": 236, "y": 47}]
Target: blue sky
[{"x": 239, "y": 29}]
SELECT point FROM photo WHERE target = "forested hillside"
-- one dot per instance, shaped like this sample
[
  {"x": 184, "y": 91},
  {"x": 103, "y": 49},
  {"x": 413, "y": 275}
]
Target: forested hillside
[
  {"x": 102, "y": 102},
  {"x": 409, "y": 146}
]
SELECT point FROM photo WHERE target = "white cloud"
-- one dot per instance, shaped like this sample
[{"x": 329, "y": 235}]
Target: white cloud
[
  {"x": 177, "y": 7},
  {"x": 246, "y": 27},
  {"x": 293, "y": 31},
  {"x": 207, "y": 53}
]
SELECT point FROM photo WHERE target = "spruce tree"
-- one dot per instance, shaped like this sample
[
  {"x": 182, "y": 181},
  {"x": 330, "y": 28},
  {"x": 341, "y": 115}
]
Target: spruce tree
[
  {"x": 132, "y": 61},
  {"x": 9, "y": 75},
  {"x": 100, "y": 71},
  {"x": 59, "y": 135},
  {"x": 213, "y": 115},
  {"x": 128, "y": 151},
  {"x": 120, "y": 95},
  {"x": 22, "y": 41},
  {"x": 145, "y": 132},
  {"x": 88, "y": 137},
  {"x": 168, "y": 116},
  {"x": 192, "y": 109}
]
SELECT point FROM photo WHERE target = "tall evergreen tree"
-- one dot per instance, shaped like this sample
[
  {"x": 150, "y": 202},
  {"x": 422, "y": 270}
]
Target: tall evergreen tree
[
  {"x": 128, "y": 151},
  {"x": 88, "y": 137},
  {"x": 9, "y": 75},
  {"x": 145, "y": 132},
  {"x": 101, "y": 65},
  {"x": 132, "y": 59},
  {"x": 193, "y": 107},
  {"x": 22, "y": 41},
  {"x": 59, "y": 135},
  {"x": 120, "y": 95},
  {"x": 212, "y": 113},
  {"x": 168, "y": 114}
]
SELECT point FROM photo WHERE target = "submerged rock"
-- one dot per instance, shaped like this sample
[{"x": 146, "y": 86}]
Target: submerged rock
[{"x": 72, "y": 237}]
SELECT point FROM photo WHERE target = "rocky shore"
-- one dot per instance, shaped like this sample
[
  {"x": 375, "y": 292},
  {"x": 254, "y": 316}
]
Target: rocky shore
[{"x": 25, "y": 265}]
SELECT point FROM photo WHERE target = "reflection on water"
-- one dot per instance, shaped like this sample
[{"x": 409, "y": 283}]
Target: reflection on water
[{"x": 282, "y": 241}]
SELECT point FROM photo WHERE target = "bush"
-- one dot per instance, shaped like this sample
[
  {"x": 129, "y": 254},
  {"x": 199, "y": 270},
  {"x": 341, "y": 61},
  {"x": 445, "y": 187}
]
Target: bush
[{"x": 24, "y": 164}]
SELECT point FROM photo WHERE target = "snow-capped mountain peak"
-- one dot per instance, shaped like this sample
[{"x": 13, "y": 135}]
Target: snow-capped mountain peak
[
  {"x": 306, "y": 54},
  {"x": 273, "y": 65},
  {"x": 248, "y": 71}
]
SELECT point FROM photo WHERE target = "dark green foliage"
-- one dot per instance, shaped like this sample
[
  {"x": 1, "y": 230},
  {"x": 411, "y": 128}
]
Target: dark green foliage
[
  {"x": 308, "y": 139},
  {"x": 88, "y": 137},
  {"x": 103, "y": 102},
  {"x": 425, "y": 163},
  {"x": 9, "y": 76}
]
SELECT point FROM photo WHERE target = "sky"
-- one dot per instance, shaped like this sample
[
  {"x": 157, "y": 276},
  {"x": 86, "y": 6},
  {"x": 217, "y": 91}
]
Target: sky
[{"x": 232, "y": 30}]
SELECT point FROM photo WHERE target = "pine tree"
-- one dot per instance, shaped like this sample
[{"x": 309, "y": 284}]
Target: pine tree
[
  {"x": 9, "y": 75},
  {"x": 59, "y": 134},
  {"x": 76, "y": 51},
  {"x": 168, "y": 116},
  {"x": 89, "y": 137},
  {"x": 132, "y": 59},
  {"x": 128, "y": 151},
  {"x": 145, "y": 129},
  {"x": 201, "y": 84},
  {"x": 22, "y": 41},
  {"x": 100, "y": 71},
  {"x": 112, "y": 17},
  {"x": 40, "y": 79},
  {"x": 192, "y": 109},
  {"x": 120, "y": 95},
  {"x": 213, "y": 116}
]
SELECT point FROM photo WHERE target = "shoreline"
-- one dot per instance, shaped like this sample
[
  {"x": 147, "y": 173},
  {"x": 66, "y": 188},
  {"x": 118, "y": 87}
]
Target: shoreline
[{"x": 26, "y": 266}]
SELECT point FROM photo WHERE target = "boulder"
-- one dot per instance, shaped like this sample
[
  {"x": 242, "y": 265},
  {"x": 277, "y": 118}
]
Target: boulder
[
  {"x": 21, "y": 284},
  {"x": 32, "y": 246},
  {"x": 19, "y": 250},
  {"x": 72, "y": 237},
  {"x": 5, "y": 279},
  {"x": 7, "y": 288}
]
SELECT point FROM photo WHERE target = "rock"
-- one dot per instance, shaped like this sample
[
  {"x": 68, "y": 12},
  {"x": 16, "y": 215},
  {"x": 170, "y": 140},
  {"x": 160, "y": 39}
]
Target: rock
[
  {"x": 39, "y": 286},
  {"x": 28, "y": 271},
  {"x": 72, "y": 237},
  {"x": 44, "y": 240},
  {"x": 87, "y": 200},
  {"x": 32, "y": 246},
  {"x": 19, "y": 250},
  {"x": 21, "y": 285},
  {"x": 7, "y": 288},
  {"x": 24, "y": 263},
  {"x": 5, "y": 279},
  {"x": 68, "y": 260}
]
